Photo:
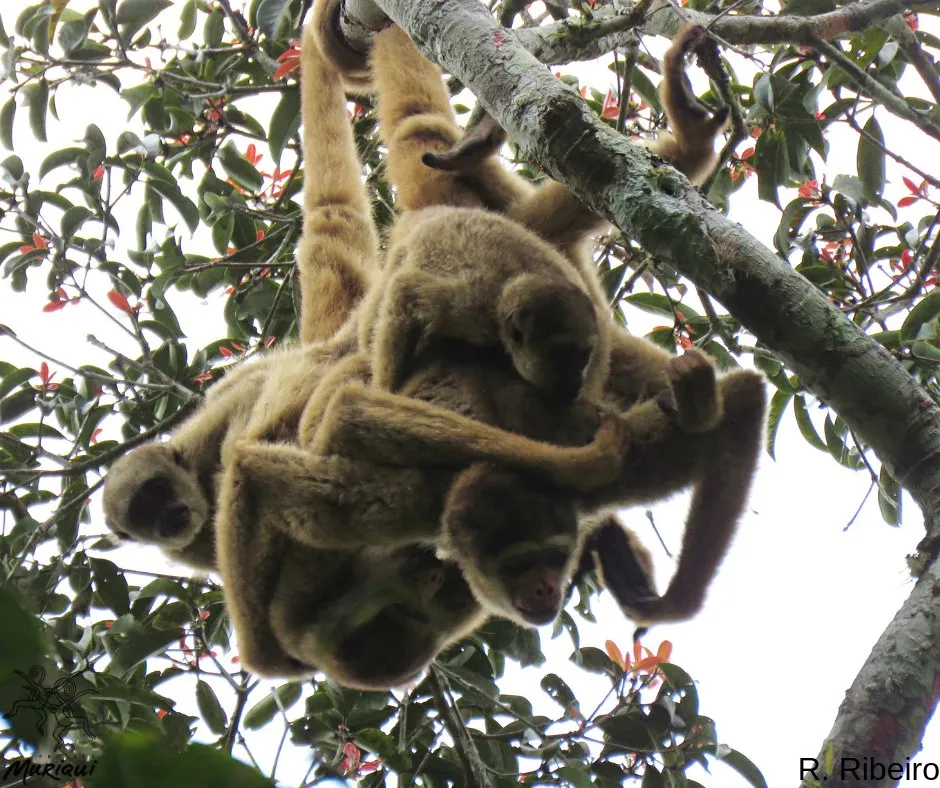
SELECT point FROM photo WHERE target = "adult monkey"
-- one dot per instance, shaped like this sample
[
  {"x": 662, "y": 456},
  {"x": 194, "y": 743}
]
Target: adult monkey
[
  {"x": 297, "y": 608},
  {"x": 718, "y": 458}
]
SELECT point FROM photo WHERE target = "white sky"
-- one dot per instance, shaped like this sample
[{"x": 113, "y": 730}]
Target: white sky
[{"x": 799, "y": 602}]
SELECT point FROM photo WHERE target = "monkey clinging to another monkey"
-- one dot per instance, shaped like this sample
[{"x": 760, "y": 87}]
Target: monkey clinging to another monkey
[{"x": 287, "y": 523}]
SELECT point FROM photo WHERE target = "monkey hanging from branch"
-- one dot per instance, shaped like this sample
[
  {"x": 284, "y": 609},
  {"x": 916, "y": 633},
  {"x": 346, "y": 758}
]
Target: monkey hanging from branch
[{"x": 290, "y": 632}]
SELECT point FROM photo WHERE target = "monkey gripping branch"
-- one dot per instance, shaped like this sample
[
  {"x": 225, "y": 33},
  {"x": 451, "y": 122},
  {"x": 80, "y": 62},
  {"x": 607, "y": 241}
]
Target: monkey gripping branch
[{"x": 660, "y": 209}]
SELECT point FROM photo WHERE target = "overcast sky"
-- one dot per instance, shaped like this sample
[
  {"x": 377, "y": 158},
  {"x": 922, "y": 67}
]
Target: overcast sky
[{"x": 799, "y": 601}]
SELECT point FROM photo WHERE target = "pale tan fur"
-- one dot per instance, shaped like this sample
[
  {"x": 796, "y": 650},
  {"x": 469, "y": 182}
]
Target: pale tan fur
[
  {"x": 638, "y": 370},
  {"x": 274, "y": 499}
]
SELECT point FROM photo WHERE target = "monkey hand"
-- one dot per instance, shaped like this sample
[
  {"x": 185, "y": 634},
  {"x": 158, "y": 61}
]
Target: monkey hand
[
  {"x": 693, "y": 394},
  {"x": 600, "y": 462},
  {"x": 689, "y": 38}
]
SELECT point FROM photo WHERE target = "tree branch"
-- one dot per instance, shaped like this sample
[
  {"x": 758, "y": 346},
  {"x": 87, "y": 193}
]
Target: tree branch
[
  {"x": 658, "y": 207},
  {"x": 577, "y": 39},
  {"x": 473, "y": 768}
]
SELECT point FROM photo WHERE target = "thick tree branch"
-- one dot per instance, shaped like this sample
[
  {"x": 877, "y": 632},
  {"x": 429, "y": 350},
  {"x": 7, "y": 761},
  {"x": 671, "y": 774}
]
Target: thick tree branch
[
  {"x": 659, "y": 208},
  {"x": 575, "y": 39}
]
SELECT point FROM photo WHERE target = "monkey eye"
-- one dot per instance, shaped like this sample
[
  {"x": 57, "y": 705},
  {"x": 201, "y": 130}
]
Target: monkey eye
[
  {"x": 517, "y": 336},
  {"x": 122, "y": 535},
  {"x": 179, "y": 459}
]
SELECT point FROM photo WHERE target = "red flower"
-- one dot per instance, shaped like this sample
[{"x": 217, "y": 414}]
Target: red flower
[
  {"x": 98, "y": 174},
  {"x": 611, "y": 109},
  {"x": 203, "y": 377},
  {"x": 95, "y": 434},
  {"x": 352, "y": 755},
  {"x": 810, "y": 190},
  {"x": 252, "y": 154},
  {"x": 120, "y": 301},
  {"x": 38, "y": 243},
  {"x": 289, "y": 60},
  {"x": 911, "y": 18},
  {"x": 46, "y": 377}
]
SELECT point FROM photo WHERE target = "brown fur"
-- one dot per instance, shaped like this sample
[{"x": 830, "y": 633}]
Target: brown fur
[{"x": 290, "y": 523}]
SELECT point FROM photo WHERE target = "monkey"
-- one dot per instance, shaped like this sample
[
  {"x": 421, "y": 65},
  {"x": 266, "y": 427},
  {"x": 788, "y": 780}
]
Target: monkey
[
  {"x": 254, "y": 624},
  {"x": 178, "y": 494},
  {"x": 638, "y": 371}
]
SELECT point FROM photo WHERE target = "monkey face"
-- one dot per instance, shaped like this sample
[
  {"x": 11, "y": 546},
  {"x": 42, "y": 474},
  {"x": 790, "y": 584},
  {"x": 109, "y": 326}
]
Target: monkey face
[
  {"x": 515, "y": 540},
  {"x": 389, "y": 630},
  {"x": 151, "y": 496},
  {"x": 549, "y": 328}
]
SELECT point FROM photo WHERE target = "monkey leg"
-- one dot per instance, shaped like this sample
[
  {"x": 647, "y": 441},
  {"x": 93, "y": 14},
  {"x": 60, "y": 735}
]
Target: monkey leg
[
  {"x": 401, "y": 431},
  {"x": 664, "y": 459},
  {"x": 419, "y": 305},
  {"x": 624, "y": 565},
  {"x": 338, "y": 243},
  {"x": 415, "y": 118}
]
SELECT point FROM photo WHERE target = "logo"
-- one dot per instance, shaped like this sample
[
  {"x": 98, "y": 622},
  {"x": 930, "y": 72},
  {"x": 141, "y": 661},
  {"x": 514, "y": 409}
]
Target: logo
[{"x": 55, "y": 713}]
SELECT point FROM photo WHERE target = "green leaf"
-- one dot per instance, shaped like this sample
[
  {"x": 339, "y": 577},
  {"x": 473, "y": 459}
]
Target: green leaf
[
  {"x": 186, "y": 207},
  {"x": 871, "y": 159},
  {"x": 285, "y": 121},
  {"x": 263, "y": 712},
  {"x": 61, "y": 158},
  {"x": 37, "y": 97},
  {"x": 923, "y": 312},
  {"x": 74, "y": 218},
  {"x": 270, "y": 15},
  {"x": 656, "y": 303},
  {"x": 850, "y": 186},
  {"x": 210, "y": 708},
  {"x": 135, "y": 759},
  {"x": 239, "y": 168},
  {"x": 384, "y": 746},
  {"x": 73, "y": 34},
  {"x": 17, "y": 404},
  {"x": 803, "y": 421},
  {"x": 764, "y": 93},
  {"x": 652, "y": 778},
  {"x": 745, "y": 768},
  {"x": 134, "y": 14},
  {"x": 778, "y": 405},
  {"x": 138, "y": 647},
  {"x": 556, "y": 688},
  {"x": 889, "y": 497},
  {"x": 22, "y": 641},
  {"x": 110, "y": 585},
  {"x": 187, "y": 20},
  {"x": 7, "y": 115},
  {"x": 576, "y": 775}
]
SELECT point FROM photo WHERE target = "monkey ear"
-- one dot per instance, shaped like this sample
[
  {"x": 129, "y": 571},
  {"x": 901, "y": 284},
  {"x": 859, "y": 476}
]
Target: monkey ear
[{"x": 620, "y": 569}]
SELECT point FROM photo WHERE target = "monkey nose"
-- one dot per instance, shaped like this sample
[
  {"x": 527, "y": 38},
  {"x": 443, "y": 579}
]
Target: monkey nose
[
  {"x": 538, "y": 599},
  {"x": 175, "y": 519}
]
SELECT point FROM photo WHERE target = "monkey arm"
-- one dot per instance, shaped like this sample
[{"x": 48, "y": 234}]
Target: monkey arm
[
  {"x": 338, "y": 244},
  {"x": 388, "y": 428},
  {"x": 664, "y": 458}
]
